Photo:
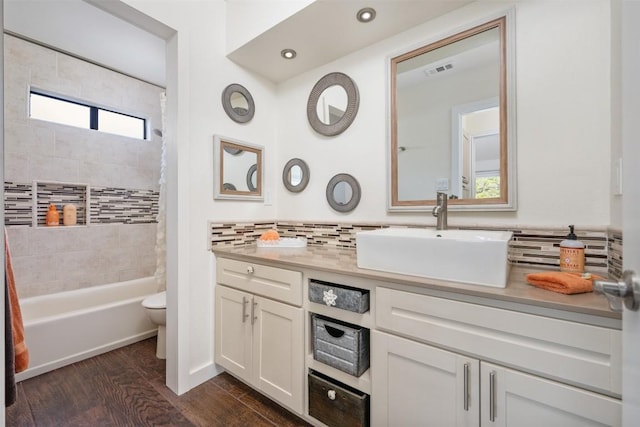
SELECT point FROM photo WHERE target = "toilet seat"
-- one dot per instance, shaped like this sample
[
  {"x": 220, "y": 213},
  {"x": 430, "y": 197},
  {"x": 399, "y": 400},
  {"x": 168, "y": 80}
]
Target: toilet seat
[{"x": 157, "y": 301}]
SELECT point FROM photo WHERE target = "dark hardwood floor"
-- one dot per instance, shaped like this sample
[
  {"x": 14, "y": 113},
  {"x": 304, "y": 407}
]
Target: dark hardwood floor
[{"x": 125, "y": 387}]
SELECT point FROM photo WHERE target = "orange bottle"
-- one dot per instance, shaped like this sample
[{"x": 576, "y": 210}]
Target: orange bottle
[{"x": 53, "y": 217}]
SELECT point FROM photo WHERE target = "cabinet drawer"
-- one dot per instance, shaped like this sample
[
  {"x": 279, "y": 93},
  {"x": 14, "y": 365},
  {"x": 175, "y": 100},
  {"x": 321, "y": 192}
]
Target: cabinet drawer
[
  {"x": 275, "y": 283},
  {"x": 335, "y": 404},
  {"x": 584, "y": 355}
]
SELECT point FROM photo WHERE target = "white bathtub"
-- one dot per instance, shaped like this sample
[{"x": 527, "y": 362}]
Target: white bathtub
[{"x": 67, "y": 327}]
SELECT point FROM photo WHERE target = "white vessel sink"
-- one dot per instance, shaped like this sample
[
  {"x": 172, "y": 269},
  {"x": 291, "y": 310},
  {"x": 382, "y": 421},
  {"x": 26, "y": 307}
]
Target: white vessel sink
[{"x": 469, "y": 256}]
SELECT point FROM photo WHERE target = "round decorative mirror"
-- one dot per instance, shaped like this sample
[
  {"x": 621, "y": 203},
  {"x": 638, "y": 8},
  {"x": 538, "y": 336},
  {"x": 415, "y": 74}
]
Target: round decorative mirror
[
  {"x": 238, "y": 103},
  {"x": 252, "y": 177},
  {"x": 295, "y": 175},
  {"x": 333, "y": 104},
  {"x": 343, "y": 192}
]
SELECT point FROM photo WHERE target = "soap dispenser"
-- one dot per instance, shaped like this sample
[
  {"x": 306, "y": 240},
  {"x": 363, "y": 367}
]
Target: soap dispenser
[
  {"x": 572, "y": 253},
  {"x": 53, "y": 216}
]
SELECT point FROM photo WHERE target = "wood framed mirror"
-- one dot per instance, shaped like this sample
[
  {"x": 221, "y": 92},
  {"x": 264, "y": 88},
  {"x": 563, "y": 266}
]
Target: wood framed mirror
[
  {"x": 452, "y": 129},
  {"x": 239, "y": 169}
]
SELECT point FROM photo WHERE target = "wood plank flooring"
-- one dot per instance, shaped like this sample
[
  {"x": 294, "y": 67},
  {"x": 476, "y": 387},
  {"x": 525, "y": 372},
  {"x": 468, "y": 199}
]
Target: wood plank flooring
[{"x": 125, "y": 387}]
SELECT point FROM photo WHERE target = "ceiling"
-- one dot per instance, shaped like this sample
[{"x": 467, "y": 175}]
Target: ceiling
[
  {"x": 83, "y": 30},
  {"x": 327, "y": 30}
]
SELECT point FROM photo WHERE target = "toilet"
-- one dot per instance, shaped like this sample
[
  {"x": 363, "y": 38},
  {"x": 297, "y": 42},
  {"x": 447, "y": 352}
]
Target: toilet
[{"x": 156, "y": 308}]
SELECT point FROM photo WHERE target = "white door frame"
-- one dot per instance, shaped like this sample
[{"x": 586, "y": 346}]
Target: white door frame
[{"x": 631, "y": 206}]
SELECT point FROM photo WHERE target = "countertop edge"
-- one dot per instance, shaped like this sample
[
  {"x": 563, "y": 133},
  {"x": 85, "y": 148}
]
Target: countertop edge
[{"x": 529, "y": 298}]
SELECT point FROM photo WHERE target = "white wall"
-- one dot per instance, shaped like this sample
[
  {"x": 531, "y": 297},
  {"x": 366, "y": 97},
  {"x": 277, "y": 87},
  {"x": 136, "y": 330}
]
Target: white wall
[
  {"x": 563, "y": 120},
  {"x": 198, "y": 73}
]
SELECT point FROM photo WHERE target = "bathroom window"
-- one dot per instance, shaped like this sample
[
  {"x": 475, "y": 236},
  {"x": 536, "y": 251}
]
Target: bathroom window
[{"x": 73, "y": 113}]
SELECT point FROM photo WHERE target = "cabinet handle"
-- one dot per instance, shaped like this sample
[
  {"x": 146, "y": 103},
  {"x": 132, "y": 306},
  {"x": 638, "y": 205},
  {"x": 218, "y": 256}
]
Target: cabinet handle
[
  {"x": 244, "y": 309},
  {"x": 253, "y": 311},
  {"x": 250, "y": 269},
  {"x": 466, "y": 387},
  {"x": 492, "y": 396}
]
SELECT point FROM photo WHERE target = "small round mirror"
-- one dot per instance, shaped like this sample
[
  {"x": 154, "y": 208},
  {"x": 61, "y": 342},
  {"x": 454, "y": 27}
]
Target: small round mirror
[
  {"x": 295, "y": 175},
  {"x": 333, "y": 104},
  {"x": 238, "y": 103},
  {"x": 343, "y": 193}
]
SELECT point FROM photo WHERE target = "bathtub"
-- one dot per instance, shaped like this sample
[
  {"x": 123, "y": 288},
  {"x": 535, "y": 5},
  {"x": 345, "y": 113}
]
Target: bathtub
[{"x": 67, "y": 327}]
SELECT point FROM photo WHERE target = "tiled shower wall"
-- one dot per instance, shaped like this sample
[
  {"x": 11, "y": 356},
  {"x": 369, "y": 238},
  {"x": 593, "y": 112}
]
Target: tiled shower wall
[
  {"x": 530, "y": 246},
  {"x": 122, "y": 174}
]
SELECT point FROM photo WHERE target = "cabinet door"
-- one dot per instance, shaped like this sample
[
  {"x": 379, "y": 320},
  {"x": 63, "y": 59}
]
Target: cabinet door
[
  {"x": 233, "y": 331},
  {"x": 414, "y": 384},
  {"x": 278, "y": 351},
  {"x": 512, "y": 398}
]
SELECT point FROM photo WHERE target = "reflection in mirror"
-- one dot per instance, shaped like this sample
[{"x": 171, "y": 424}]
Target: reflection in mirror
[
  {"x": 332, "y": 105},
  {"x": 252, "y": 177},
  {"x": 239, "y": 169},
  {"x": 295, "y": 175},
  {"x": 239, "y": 103},
  {"x": 343, "y": 193},
  {"x": 452, "y": 122}
]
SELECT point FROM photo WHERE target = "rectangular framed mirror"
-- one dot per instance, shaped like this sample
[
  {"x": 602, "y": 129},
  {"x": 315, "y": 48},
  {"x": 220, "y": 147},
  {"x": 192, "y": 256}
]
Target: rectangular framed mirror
[
  {"x": 238, "y": 169},
  {"x": 452, "y": 121}
]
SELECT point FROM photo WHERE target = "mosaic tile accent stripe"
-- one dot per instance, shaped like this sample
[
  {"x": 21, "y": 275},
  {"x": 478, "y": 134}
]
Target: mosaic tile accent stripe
[
  {"x": 615, "y": 253},
  {"x": 108, "y": 205},
  {"x": 18, "y": 204},
  {"x": 60, "y": 195},
  {"x": 237, "y": 234},
  {"x": 121, "y": 205},
  {"x": 527, "y": 247},
  {"x": 542, "y": 248}
]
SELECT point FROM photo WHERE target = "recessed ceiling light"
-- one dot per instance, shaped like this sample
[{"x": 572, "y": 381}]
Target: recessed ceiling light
[
  {"x": 366, "y": 14},
  {"x": 288, "y": 53}
]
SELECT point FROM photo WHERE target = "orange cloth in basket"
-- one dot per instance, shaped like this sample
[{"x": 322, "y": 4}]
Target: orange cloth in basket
[{"x": 562, "y": 282}]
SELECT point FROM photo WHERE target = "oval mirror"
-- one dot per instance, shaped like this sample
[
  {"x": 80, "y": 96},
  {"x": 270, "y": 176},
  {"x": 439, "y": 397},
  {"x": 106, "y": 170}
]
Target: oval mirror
[
  {"x": 343, "y": 193},
  {"x": 238, "y": 103},
  {"x": 452, "y": 122},
  {"x": 333, "y": 104},
  {"x": 295, "y": 175}
]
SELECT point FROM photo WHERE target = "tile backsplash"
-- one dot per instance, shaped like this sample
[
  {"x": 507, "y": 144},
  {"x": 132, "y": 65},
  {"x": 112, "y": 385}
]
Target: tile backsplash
[{"x": 529, "y": 246}]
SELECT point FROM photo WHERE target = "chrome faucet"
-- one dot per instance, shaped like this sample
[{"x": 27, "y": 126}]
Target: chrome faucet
[{"x": 440, "y": 211}]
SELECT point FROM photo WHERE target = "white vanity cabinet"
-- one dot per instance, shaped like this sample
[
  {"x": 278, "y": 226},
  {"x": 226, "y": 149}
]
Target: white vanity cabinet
[
  {"x": 416, "y": 382},
  {"x": 513, "y": 398},
  {"x": 258, "y": 339}
]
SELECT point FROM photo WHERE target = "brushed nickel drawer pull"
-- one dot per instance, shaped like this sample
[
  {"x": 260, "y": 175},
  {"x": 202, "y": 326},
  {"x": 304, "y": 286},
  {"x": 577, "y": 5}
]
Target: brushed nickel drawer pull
[
  {"x": 492, "y": 396},
  {"x": 466, "y": 387},
  {"x": 244, "y": 309}
]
